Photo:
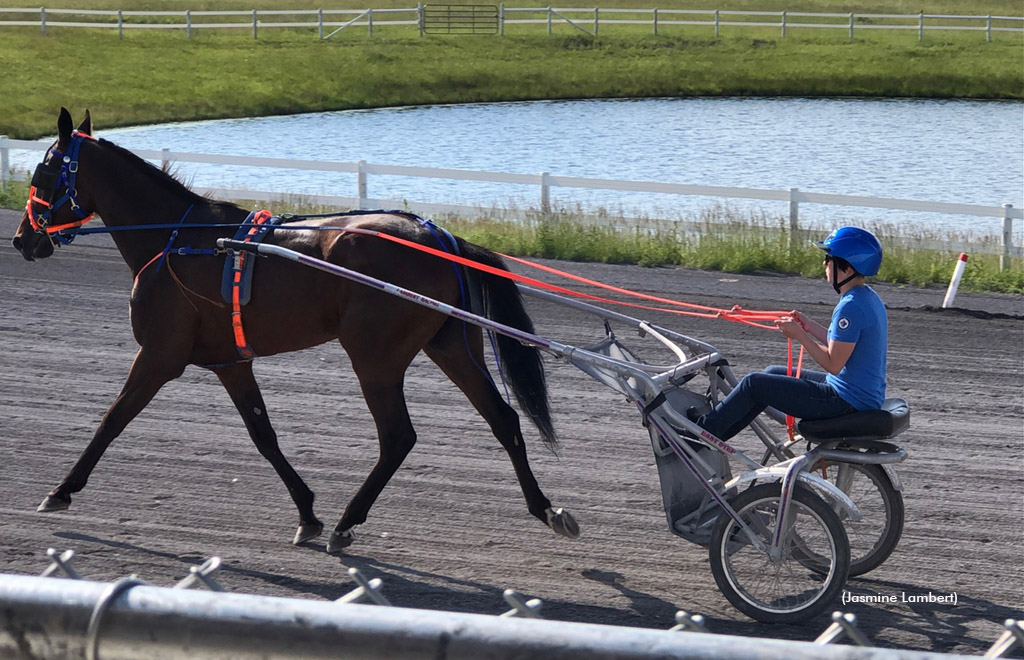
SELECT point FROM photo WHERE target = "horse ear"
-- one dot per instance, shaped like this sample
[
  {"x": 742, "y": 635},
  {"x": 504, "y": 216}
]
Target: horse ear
[
  {"x": 64, "y": 127},
  {"x": 86, "y": 125}
]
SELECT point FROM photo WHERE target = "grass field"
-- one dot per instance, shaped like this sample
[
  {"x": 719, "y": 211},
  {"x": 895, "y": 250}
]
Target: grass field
[
  {"x": 152, "y": 76},
  {"x": 156, "y": 75}
]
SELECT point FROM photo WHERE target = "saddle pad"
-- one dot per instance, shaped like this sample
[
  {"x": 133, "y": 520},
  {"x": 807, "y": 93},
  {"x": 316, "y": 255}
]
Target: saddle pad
[{"x": 255, "y": 229}]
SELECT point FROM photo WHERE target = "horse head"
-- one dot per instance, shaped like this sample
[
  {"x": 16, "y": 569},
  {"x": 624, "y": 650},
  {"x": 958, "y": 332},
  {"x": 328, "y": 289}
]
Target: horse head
[{"x": 57, "y": 198}]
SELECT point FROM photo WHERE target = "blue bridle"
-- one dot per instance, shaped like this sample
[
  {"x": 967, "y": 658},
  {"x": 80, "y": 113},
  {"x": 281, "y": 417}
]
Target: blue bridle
[{"x": 46, "y": 180}]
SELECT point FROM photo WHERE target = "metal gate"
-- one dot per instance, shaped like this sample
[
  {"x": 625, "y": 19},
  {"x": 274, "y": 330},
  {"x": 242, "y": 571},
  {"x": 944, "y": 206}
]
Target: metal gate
[{"x": 460, "y": 19}]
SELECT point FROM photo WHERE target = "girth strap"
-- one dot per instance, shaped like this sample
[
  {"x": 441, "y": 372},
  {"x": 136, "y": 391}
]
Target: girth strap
[{"x": 252, "y": 229}]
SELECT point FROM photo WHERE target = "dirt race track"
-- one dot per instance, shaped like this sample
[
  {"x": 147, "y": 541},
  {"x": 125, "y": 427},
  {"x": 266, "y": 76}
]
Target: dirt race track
[{"x": 451, "y": 530}]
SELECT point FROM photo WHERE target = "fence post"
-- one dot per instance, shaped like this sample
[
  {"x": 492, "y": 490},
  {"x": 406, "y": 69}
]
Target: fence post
[
  {"x": 320, "y": 23},
  {"x": 42, "y": 19},
  {"x": 202, "y": 574},
  {"x": 529, "y": 609},
  {"x": 419, "y": 17},
  {"x": 920, "y": 26},
  {"x": 254, "y": 28},
  {"x": 716, "y": 24},
  {"x": 851, "y": 26},
  {"x": 60, "y": 563},
  {"x": 369, "y": 21},
  {"x": 120, "y": 24},
  {"x": 501, "y": 20},
  {"x": 1004, "y": 260},
  {"x": 794, "y": 218},
  {"x": 988, "y": 28},
  {"x": 783, "y": 23},
  {"x": 655, "y": 22},
  {"x": 188, "y": 23},
  {"x": 595, "y": 20},
  {"x": 4, "y": 162},
  {"x": 165, "y": 158},
  {"x": 549, "y": 21},
  {"x": 545, "y": 193},
  {"x": 1012, "y": 637},
  {"x": 843, "y": 625},
  {"x": 361, "y": 183},
  {"x": 686, "y": 622}
]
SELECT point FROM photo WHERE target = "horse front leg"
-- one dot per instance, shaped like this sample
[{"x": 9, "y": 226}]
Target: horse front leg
[
  {"x": 147, "y": 375},
  {"x": 241, "y": 386},
  {"x": 397, "y": 438}
]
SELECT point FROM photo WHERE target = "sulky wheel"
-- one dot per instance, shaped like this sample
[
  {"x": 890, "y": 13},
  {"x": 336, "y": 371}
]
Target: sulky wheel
[
  {"x": 786, "y": 590},
  {"x": 875, "y": 535}
]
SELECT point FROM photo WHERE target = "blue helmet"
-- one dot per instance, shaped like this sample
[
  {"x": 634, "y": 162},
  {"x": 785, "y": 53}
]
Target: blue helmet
[{"x": 857, "y": 246}]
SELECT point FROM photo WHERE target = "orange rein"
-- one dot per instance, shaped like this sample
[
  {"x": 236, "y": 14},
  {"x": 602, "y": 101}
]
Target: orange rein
[{"x": 736, "y": 314}]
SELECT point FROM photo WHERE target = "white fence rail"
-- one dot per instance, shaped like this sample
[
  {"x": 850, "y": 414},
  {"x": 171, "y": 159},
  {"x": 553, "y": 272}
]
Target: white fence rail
[
  {"x": 48, "y": 619},
  {"x": 544, "y": 181},
  {"x": 588, "y": 20}
]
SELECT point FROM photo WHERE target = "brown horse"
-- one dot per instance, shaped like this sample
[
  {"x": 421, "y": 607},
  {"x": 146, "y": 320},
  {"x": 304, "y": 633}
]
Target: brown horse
[{"x": 178, "y": 317}]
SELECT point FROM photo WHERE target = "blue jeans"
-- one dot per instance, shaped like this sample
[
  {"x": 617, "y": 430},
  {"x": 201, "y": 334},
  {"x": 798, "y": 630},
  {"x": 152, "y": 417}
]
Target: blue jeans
[{"x": 807, "y": 397}]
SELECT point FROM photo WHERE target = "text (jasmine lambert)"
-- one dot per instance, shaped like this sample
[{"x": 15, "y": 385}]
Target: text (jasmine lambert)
[{"x": 902, "y": 597}]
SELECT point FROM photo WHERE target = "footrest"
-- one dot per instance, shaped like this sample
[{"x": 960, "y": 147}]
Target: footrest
[
  {"x": 861, "y": 452},
  {"x": 864, "y": 425}
]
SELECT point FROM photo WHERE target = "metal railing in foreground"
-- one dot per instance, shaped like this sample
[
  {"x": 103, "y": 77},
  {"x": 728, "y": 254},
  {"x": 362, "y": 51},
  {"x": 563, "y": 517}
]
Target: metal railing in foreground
[{"x": 46, "y": 619}]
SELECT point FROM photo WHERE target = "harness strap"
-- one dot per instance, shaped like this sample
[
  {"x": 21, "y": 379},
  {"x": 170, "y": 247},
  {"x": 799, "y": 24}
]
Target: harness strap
[
  {"x": 652, "y": 406},
  {"x": 161, "y": 256},
  {"x": 174, "y": 237},
  {"x": 467, "y": 300},
  {"x": 256, "y": 219}
]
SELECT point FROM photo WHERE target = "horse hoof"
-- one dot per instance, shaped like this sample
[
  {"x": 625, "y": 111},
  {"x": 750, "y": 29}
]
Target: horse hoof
[
  {"x": 54, "y": 503},
  {"x": 339, "y": 541},
  {"x": 563, "y": 523},
  {"x": 307, "y": 531}
]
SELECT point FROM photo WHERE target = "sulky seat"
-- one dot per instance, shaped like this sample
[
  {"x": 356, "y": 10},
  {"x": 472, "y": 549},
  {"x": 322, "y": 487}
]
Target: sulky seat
[{"x": 859, "y": 427}]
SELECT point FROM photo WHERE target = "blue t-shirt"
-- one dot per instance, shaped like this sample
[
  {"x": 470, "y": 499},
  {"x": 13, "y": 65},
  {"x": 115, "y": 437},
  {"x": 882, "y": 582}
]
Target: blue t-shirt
[{"x": 860, "y": 319}]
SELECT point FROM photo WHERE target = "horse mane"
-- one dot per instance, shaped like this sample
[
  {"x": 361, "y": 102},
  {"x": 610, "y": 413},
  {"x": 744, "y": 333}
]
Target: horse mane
[{"x": 161, "y": 176}]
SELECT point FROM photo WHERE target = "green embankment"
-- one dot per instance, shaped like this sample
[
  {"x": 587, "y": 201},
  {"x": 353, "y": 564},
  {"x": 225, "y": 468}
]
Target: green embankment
[{"x": 156, "y": 75}]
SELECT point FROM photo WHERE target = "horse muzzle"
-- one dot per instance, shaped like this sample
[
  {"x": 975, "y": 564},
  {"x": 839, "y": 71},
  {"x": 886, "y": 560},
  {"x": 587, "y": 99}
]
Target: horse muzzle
[{"x": 33, "y": 245}]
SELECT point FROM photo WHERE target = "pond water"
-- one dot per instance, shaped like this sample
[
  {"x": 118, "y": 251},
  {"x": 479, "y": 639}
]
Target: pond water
[{"x": 935, "y": 150}]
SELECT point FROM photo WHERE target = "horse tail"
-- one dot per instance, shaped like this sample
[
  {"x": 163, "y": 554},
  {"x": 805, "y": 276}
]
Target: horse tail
[{"x": 502, "y": 302}]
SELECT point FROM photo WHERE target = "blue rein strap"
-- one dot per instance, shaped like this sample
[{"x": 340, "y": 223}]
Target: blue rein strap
[
  {"x": 450, "y": 245},
  {"x": 166, "y": 225},
  {"x": 71, "y": 166}
]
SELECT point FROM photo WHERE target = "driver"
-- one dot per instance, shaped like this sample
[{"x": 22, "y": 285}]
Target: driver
[{"x": 852, "y": 351}]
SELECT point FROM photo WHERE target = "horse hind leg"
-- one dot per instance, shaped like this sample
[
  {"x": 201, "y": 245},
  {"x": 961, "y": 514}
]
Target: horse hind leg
[
  {"x": 241, "y": 386},
  {"x": 460, "y": 356},
  {"x": 385, "y": 398}
]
